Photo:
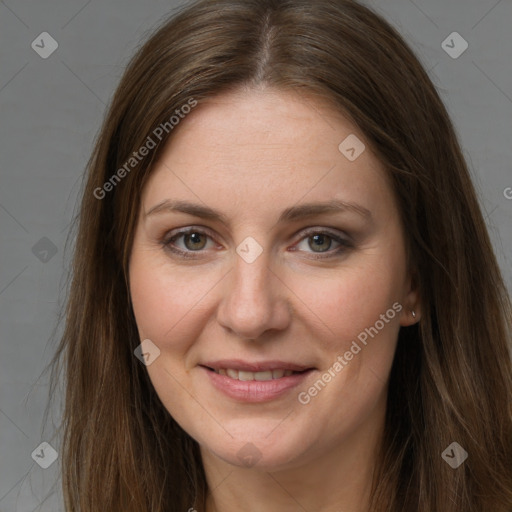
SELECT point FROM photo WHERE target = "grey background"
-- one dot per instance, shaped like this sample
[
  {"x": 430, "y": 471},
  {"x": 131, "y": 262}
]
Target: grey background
[{"x": 51, "y": 110}]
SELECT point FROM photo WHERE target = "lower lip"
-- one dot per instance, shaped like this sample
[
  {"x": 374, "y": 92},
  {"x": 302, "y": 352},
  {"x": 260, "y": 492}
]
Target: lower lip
[{"x": 255, "y": 390}]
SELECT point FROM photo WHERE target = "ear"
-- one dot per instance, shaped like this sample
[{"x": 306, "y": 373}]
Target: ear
[{"x": 411, "y": 312}]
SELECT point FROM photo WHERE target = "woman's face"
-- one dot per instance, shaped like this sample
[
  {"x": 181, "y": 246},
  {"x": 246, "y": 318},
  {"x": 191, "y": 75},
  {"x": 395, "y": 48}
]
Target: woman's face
[{"x": 294, "y": 261}]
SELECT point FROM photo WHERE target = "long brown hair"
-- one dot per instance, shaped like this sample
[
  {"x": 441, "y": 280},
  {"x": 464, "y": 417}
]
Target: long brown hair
[{"x": 451, "y": 377}]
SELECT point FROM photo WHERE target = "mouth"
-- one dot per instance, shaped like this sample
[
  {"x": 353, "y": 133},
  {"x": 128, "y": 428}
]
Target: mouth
[
  {"x": 232, "y": 373},
  {"x": 255, "y": 382}
]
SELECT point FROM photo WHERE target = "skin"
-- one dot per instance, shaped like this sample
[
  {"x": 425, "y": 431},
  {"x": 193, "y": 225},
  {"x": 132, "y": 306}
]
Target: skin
[{"x": 251, "y": 154}]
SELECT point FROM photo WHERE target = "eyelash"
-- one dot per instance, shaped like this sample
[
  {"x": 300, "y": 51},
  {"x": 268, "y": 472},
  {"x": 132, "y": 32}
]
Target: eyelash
[{"x": 344, "y": 244}]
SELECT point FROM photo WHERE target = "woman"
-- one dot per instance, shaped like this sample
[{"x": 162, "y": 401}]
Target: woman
[{"x": 284, "y": 296}]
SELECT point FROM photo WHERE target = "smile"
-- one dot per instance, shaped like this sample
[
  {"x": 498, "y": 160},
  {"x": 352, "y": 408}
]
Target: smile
[
  {"x": 255, "y": 382},
  {"x": 246, "y": 376}
]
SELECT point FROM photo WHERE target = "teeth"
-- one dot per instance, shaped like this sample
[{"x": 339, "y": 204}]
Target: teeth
[
  {"x": 232, "y": 373},
  {"x": 261, "y": 376},
  {"x": 245, "y": 375},
  {"x": 268, "y": 375}
]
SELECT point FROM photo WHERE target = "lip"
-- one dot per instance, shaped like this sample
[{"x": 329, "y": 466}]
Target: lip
[{"x": 253, "y": 390}]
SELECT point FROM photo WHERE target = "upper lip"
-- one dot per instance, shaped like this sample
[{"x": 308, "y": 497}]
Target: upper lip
[{"x": 255, "y": 366}]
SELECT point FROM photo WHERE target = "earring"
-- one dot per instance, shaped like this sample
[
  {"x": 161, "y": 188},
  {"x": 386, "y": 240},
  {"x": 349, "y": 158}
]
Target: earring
[{"x": 413, "y": 313}]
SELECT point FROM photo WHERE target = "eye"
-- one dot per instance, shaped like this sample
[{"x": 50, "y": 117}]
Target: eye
[
  {"x": 194, "y": 240},
  {"x": 321, "y": 242}
]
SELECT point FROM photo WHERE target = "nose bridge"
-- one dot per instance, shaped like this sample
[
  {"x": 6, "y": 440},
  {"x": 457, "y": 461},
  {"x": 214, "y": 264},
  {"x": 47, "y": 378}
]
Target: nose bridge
[
  {"x": 251, "y": 273},
  {"x": 253, "y": 302},
  {"x": 251, "y": 285},
  {"x": 251, "y": 279}
]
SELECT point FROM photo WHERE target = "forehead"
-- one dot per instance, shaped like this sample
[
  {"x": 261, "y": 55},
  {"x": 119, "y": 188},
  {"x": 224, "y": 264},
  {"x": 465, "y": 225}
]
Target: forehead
[{"x": 267, "y": 148}]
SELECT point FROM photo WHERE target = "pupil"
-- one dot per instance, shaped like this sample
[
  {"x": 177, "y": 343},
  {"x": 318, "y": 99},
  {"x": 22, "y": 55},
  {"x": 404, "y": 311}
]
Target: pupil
[
  {"x": 322, "y": 239},
  {"x": 195, "y": 239}
]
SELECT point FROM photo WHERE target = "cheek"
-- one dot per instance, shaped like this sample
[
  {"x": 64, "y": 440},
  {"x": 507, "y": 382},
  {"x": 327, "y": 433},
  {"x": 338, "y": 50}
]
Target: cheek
[
  {"x": 167, "y": 301},
  {"x": 346, "y": 304},
  {"x": 358, "y": 319}
]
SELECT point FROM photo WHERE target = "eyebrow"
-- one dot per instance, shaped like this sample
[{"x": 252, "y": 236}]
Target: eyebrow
[{"x": 292, "y": 213}]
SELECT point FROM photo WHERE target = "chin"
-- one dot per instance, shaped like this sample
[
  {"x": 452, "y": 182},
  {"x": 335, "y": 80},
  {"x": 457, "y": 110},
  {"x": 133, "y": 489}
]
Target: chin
[{"x": 263, "y": 449}]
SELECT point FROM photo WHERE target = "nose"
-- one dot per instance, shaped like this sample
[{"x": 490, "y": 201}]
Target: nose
[{"x": 254, "y": 300}]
